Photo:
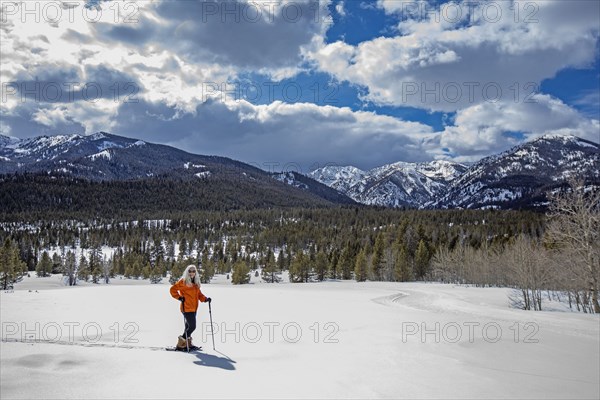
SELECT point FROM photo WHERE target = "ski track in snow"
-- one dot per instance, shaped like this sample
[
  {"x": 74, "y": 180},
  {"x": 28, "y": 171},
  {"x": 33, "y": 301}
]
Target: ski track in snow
[
  {"x": 453, "y": 304},
  {"x": 81, "y": 343}
]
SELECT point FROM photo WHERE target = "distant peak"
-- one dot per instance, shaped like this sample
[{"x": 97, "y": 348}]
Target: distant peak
[
  {"x": 98, "y": 136},
  {"x": 564, "y": 139},
  {"x": 8, "y": 140},
  {"x": 550, "y": 136}
]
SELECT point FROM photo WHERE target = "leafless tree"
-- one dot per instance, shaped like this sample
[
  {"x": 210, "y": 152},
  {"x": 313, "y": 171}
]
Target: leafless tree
[
  {"x": 530, "y": 272},
  {"x": 467, "y": 265},
  {"x": 574, "y": 228}
]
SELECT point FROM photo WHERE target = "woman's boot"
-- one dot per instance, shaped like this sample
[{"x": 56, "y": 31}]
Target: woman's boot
[{"x": 181, "y": 342}]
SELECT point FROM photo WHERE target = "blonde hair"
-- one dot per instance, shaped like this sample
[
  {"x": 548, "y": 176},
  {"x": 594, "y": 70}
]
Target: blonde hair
[{"x": 188, "y": 279}]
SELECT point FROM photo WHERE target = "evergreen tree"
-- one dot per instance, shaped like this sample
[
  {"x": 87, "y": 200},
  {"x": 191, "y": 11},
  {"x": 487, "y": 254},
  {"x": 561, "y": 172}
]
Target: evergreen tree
[
  {"x": 183, "y": 248},
  {"x": 402, "y": 267},
  {"x": 8, "y": 269},
  {"x": 136, "y": 267},
  {"x": 281, "y": 262},
  {"x": 70, "y": 267},
  {"x": 321, "y": 264},
  {"x": 96, "y": 271},
  {"x": 56, "y": 263},
  {"x": 300, "y": 268},
  {"x": 170, "y": 250},
  {"x": 360, "y": 269},
  {"x": 207, "y": 270},
  {"x": 241, "y": 273},
  {"x": 108, "y": 268},
  {"x": 44, "y": 266},
  {"x": 288, "y": 259},
  {"x": 156, "y": 253},
  {"x": 270, "y": 272},
  {"x": 155, "y": 273},
  {"x": 296, "y": 267},
  {"x": 177, "y": 270},
  {"x": 146, "y": 271},
  {"x": 333, "y": 264},
  {"x": 95, "y": 262},
  {"x": 222, "y": 267},
  {"x": 118, "y": 262},
  {"x": 377, "y": 259},
  {"x": 83, "y": 271},
  {"x": 346, "y": 262},
  {"x": 422, "y": 258}
]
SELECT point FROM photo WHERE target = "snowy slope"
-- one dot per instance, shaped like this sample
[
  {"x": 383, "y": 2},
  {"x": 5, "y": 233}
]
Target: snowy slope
[
  {"x": 524, "y": 173},
  {"x": 306, "y": 183},
  {"x": 75, "y": 154},
  {"x": 107, "y": 157},
  {"x": 392, "y": 185},
  {"x": 339, "y": 178},
  {"x": 519, "y": 177},
  {"x": 322, "y": 340}
]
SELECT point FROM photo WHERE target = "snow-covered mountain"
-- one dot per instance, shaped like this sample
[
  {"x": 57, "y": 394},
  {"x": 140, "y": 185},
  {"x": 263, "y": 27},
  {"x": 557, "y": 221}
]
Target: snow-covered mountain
[
  {"x": 392, "y": 185},
  {"x": 523, "y": 175},
  {"x": 339, "y": 178},
  {"x": 107, "y": 157},
  {"x": 519, "y": 177},
  {"x": 97, "y": 156},
  {"x": 304, "y": 182}
]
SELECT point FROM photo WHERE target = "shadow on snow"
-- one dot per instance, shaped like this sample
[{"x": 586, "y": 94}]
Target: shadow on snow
[{"x": 209, "y": 360}]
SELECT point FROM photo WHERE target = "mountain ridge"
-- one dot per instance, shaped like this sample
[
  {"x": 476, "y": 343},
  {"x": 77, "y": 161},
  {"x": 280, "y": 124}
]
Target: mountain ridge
[
  {"x": 516, "y": 178},
  {"x": 397, "y": 184},
  {"x": 160, "y": 171}
]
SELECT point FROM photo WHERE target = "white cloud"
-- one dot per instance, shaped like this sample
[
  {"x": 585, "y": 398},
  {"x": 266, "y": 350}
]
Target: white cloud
[
  {"x": 444, "y": 63},
  {"x": 94, "y": 118},
  {"x": 171, "y": 53},
  {"x": 339, "y": 8},
  {"x": 301, "y": 133},
  {"x": 173, "y": 60},
  {"x": 51, "y": 117},
  {"x": 481, "y": 130},
  {"x": 4, "y": 129}
]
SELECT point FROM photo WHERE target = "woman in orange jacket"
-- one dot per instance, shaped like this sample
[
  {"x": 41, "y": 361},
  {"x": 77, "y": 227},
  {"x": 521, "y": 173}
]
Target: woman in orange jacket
[{"x": 187, "y": 291}]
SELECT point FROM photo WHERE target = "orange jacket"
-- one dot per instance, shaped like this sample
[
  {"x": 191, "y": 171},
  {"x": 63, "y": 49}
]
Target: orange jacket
[{"x": 191, "y": 294}]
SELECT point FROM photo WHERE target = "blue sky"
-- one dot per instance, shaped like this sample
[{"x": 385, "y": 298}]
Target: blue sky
[{"x": 306, "y": 82}]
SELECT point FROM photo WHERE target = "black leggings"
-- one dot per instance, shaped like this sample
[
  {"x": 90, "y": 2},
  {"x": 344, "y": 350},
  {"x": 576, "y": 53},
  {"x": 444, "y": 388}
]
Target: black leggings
[{"x": 190, "y": 323}]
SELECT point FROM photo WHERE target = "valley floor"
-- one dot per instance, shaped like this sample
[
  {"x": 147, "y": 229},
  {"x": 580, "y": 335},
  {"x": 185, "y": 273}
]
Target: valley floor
[{"x": 321, "y": 340}]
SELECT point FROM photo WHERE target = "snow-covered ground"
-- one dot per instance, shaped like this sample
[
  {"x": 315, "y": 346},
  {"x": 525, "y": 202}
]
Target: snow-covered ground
[{"x": 321, "y": 340}]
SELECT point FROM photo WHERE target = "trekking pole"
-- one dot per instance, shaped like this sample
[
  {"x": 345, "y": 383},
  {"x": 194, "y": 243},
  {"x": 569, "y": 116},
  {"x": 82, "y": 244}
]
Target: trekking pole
[{"x": 211, "y": 325}]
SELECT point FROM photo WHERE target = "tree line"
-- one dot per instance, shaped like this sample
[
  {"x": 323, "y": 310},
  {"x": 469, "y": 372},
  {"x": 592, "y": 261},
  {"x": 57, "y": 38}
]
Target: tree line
[
  {"x": 329, "y": 238},
  {"x": 563, "y": 264},
  {"x": 554, "y": 254}
]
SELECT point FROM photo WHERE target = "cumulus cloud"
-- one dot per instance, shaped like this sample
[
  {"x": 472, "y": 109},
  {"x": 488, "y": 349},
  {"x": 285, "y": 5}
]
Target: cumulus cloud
[
  {"x": 155, "y": 71},
  {"x": 446, "y": 60},
  {"x": 484, "y": 129},
  {"x": 166, "y": 52},
  {"x": 301, "y": 134}
]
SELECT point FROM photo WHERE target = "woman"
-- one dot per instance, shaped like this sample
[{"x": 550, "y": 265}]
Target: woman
[{"x": 187, "y": 291}]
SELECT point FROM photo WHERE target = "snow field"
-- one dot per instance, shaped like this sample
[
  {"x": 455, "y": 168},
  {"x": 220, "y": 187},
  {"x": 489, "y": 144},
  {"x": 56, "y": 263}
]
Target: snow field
[{"x": 321, "y": 340}]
